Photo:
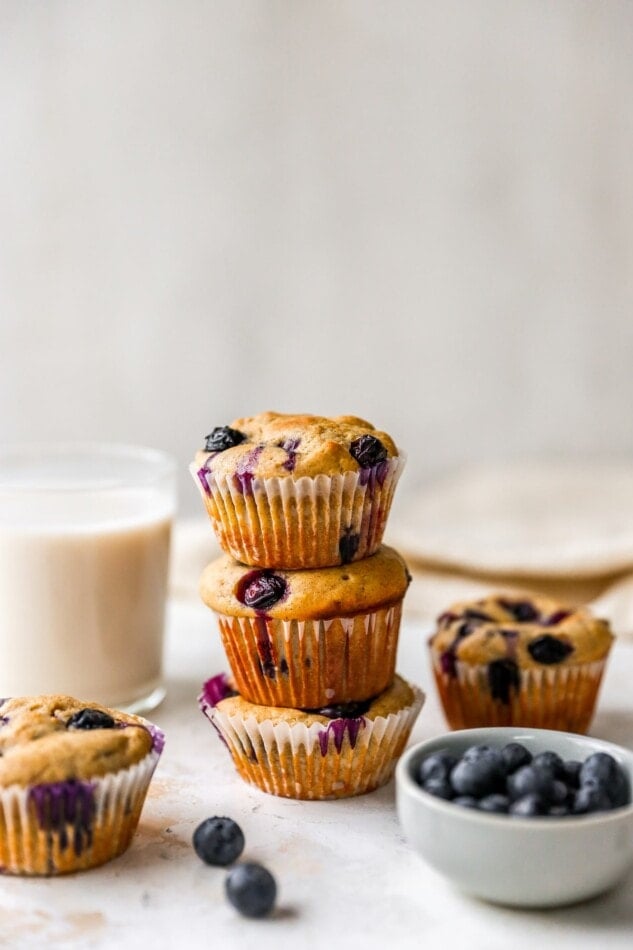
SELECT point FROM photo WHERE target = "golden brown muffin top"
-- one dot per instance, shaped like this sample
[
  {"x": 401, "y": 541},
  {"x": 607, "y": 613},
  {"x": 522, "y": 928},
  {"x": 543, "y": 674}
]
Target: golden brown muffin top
[
  {"x": 274, "y": 444},
  {"x": 232, "y": 589},
  {"x": 534, "y": 632},
  {"x": 42, "y": 740},
  {"x": 397, "y": 697}
]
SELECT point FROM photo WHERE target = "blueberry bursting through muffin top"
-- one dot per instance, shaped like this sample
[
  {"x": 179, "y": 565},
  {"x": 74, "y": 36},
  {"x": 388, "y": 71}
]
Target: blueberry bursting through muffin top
[{"x": 277, "y": 444}]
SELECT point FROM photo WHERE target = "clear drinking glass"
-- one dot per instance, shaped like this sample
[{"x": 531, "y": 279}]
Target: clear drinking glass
[{"x": 84, "y": 555}]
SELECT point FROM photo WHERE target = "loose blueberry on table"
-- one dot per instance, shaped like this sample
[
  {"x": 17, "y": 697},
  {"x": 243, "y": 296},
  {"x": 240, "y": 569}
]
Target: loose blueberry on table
[
  {"x": 251, "y": 889},
  {"x": 218, "y": 841},
  {"x": 512, "y": 781}
]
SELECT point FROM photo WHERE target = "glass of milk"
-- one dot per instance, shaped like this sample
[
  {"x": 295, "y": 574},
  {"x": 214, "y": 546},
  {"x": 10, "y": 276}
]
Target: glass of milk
[{"x": 84, "y": 552}]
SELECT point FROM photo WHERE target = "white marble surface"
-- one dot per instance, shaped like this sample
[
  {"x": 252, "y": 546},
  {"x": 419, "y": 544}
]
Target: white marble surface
[{"x": 346, "y": 876}]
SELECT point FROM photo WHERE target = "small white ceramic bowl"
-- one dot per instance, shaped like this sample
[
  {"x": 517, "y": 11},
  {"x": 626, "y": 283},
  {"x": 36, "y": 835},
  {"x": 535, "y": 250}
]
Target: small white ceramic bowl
[{"x": 524, "y": 862}]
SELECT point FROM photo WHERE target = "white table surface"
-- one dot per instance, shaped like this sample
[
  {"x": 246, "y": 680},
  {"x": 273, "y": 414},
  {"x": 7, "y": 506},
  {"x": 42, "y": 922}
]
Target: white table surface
[{"x": 345, "y": 873}]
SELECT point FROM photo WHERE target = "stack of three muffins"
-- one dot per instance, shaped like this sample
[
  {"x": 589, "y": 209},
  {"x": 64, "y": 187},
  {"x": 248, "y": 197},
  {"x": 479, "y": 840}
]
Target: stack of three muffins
[{"x": 308, "y": 603}]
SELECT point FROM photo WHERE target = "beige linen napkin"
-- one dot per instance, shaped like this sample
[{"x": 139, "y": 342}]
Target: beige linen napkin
[{"x": 563, "y": 529}]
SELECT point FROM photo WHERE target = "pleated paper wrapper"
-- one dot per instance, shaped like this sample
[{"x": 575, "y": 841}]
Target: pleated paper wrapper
[
  {"x": 304, "y": 522},
  {"x": 316, "y": 761},
  {"x": 59, "y": 827},
  {"x": 313, "y": 663},
  {"x": 550, "y": 698}
]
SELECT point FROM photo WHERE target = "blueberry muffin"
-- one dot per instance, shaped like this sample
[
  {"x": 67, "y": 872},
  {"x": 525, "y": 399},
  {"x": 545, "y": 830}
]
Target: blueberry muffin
[
  {"x": 331, "y": 752},
  {"x": 73, "y": 779},
  {"x": 298, "y": 491},
  {"x": 519, "y": 661},
  {"x": 309, "y": 638}
]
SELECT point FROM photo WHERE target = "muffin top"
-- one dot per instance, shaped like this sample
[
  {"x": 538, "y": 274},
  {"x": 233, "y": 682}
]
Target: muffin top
[
  {"x": 533, "y": 632},
  {"x": 232, "y": 589},
  {"x": 57, "y": 738},
  {"x": 274, "y": 444},
  {"x": 219, "y": 693}
]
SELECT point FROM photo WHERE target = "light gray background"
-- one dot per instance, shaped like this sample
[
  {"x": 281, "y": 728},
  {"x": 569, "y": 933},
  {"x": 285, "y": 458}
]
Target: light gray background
[{"x": 418, "y": 212}]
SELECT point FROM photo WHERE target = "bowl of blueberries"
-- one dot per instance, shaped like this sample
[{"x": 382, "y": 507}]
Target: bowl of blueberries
[{"x": 523, "y": 817}]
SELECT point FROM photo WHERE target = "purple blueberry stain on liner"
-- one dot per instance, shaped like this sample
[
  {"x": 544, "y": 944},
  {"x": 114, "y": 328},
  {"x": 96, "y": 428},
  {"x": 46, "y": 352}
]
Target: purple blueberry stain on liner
[
  {"x": 337, "y": 729},
  {"x": 158, "y": 738},
  {"x": 202, "y": 478},
  {"x": 216, "y": 689},
  {"x": 374, "y": 476},
  {"x": 59, "y": 805},
  {"x": 265, "y": 649},
  {"x": 244, "y": 474}
]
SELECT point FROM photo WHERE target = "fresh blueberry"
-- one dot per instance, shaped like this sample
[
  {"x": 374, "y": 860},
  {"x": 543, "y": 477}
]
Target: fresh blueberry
[
  {"x": 222, "y": 438},
  {"x": 571, "y": 773},
  {"x": 551, "y": 761},
  {"x": 497, "y": 804},
  {"x": 548, "y": 649},
  {"x": 603, "y": 770},
  {"x": 251, "y": 889},
  {"x": 514, "y": 756},
  {"x": 218, "y": 841},
  {"x": 479, "y": 776},
  {"x": 521, "y": 610},
  {"x": 466, "y": 801},
  {"x": 90, "y": 719},
  {"x": 368, "y": 451},
  {"x": 529, "y": 806},
  {"x": 261, "y": 589},
  {"x": 437, "y": 765},
  {"x": 531, "y": 780},
  {"x": 589, "y": 798},
  {"x": 439, "y": 787},
  {"x": 475, "y": 752},
  {"x": 503, "y": 677}
]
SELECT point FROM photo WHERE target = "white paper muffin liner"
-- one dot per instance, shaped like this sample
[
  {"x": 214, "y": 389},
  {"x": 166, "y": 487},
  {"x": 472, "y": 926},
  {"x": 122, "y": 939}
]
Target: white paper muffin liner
[
  {"x": 59, "y": 827},
  {"x": 345, "y": 758},
  {"x": 304, "y": 522},
  {"x": 561, "y": 697},
  {"x": 310, "y": 664}
]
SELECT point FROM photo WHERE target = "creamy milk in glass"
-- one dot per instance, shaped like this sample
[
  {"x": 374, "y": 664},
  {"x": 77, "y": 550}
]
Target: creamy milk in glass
[{"x": 84, "y": 550}]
